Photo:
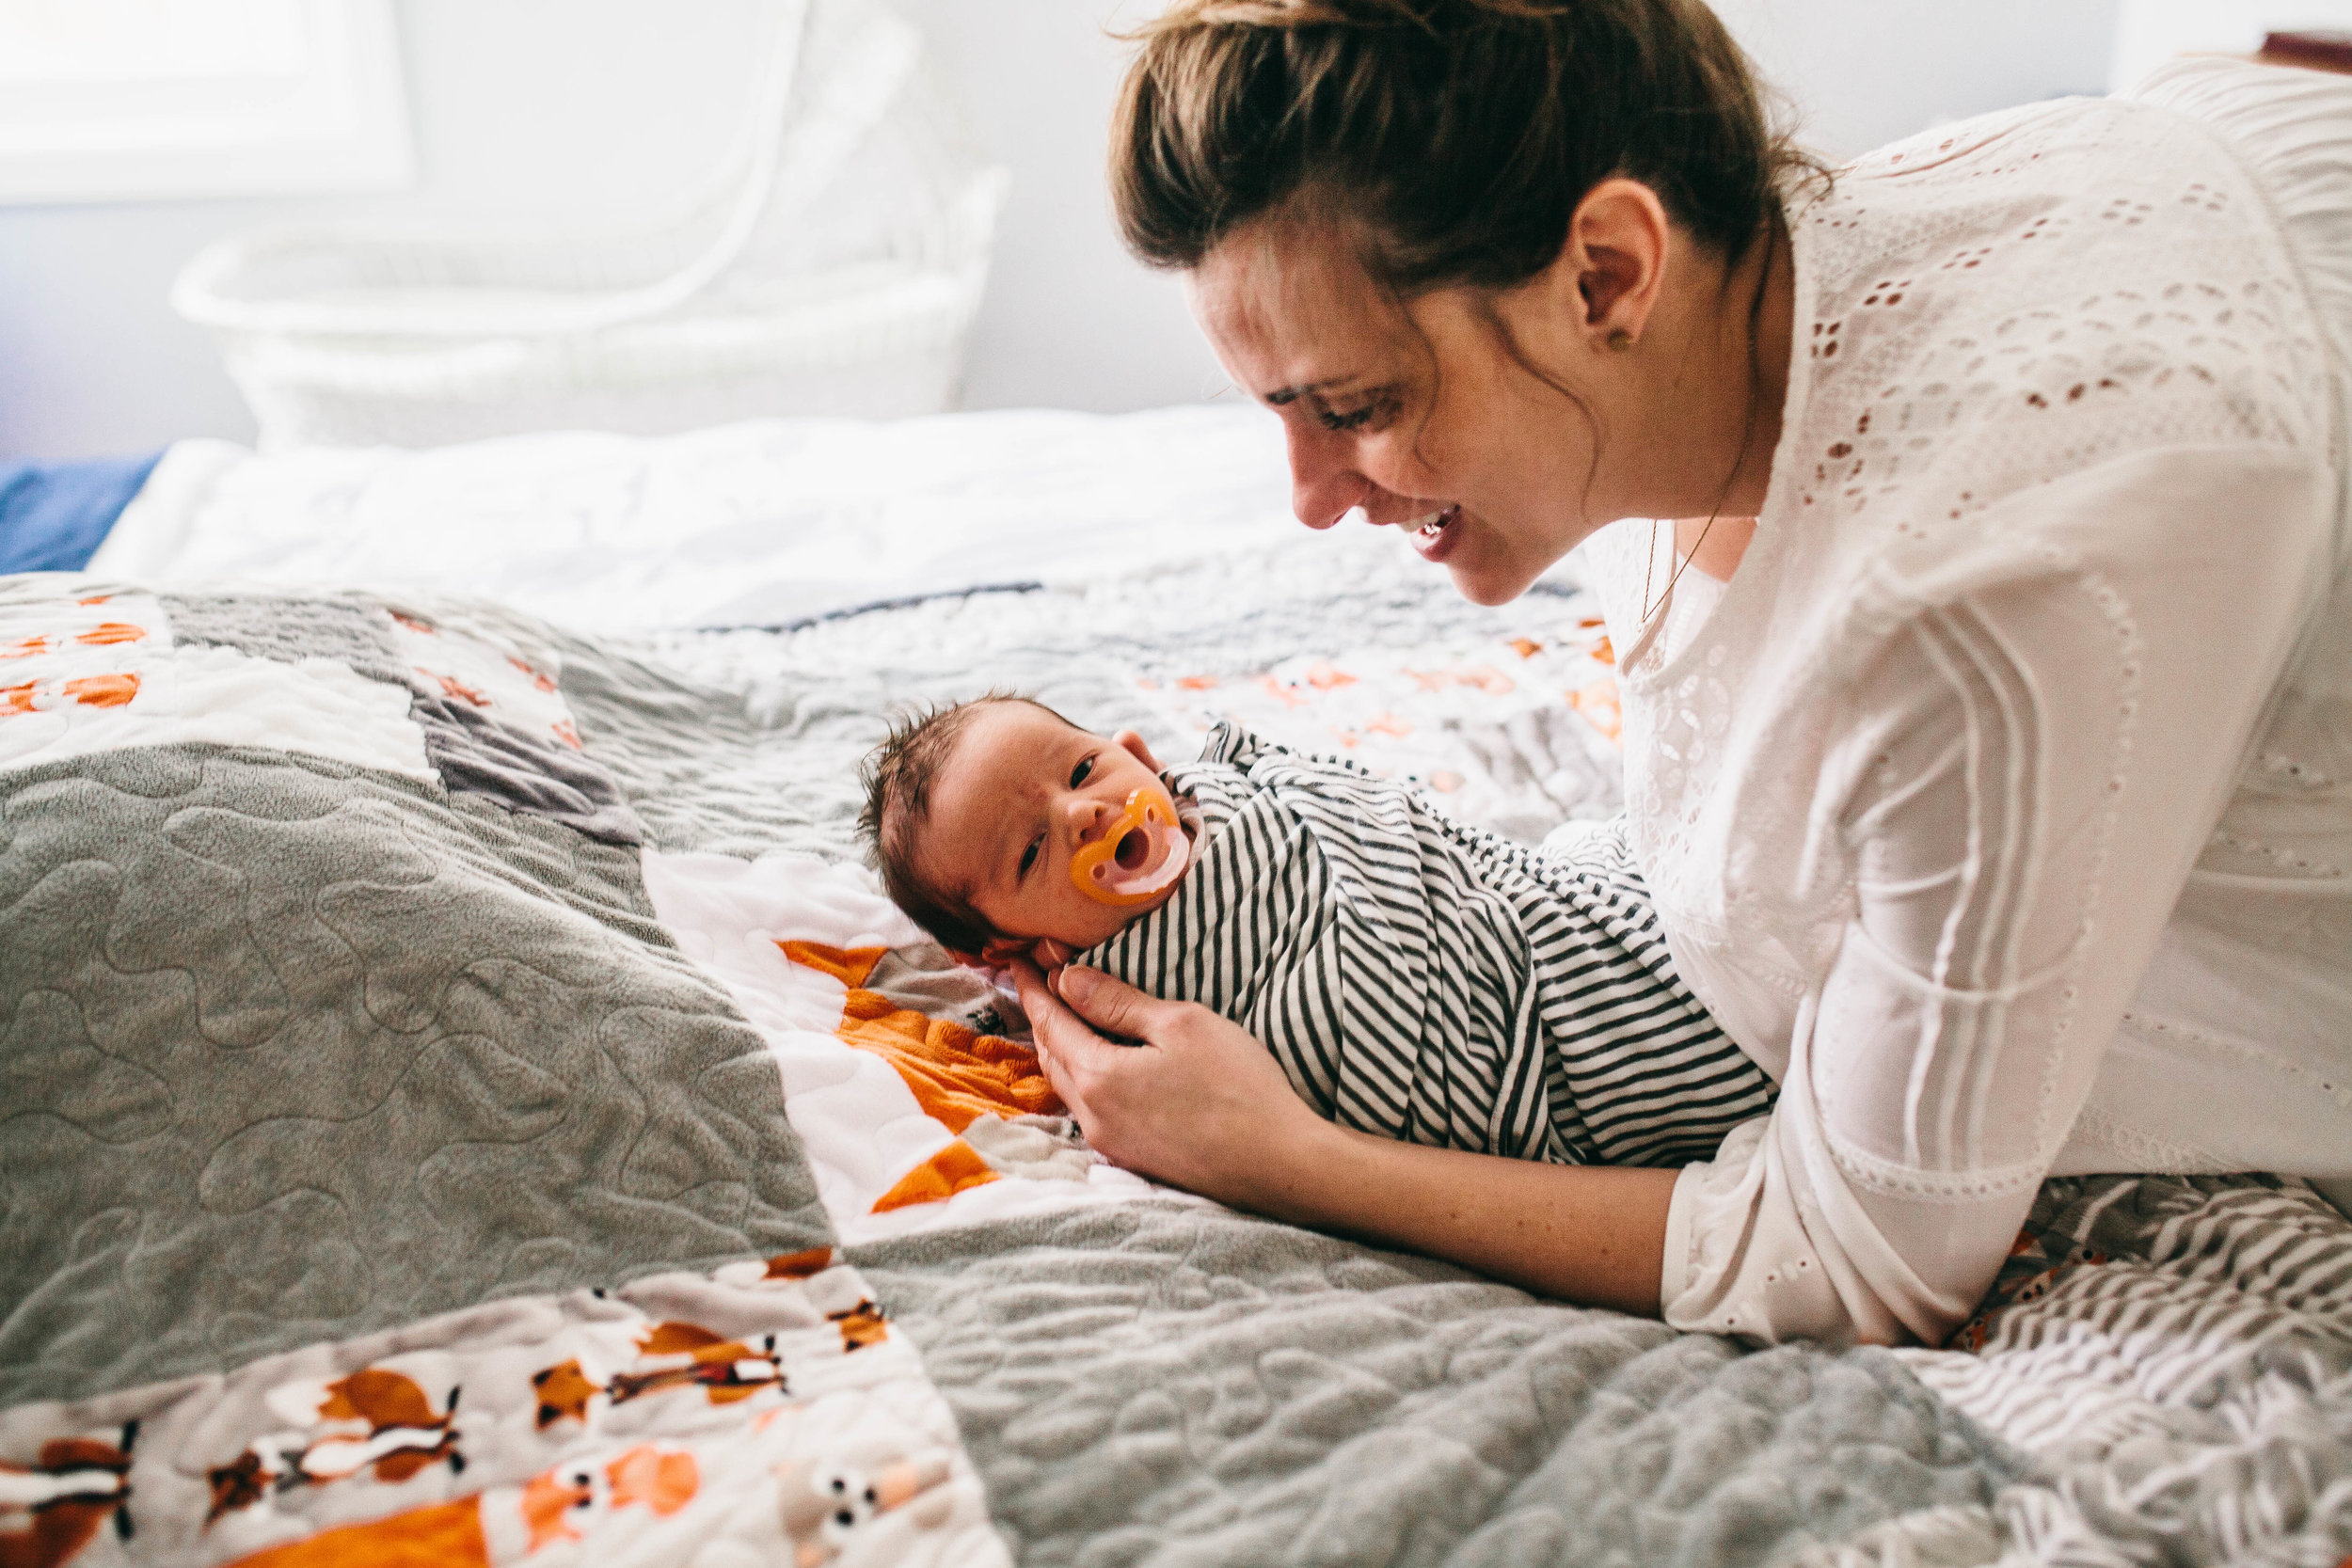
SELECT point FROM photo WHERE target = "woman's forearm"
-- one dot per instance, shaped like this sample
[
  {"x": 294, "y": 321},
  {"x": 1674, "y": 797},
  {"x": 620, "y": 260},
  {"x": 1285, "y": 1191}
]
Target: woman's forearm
[
  {"x": 1200, "y": 1103},
  {"x": 1591, "y": 1234}
]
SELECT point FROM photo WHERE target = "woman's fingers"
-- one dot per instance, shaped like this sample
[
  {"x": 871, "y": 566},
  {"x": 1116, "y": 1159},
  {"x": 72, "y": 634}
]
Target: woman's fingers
[
  {"x": 1200, "y": 1102},
  {"x": 1111, "y": 1006},
  {"x": 1063, "y": 1040}
]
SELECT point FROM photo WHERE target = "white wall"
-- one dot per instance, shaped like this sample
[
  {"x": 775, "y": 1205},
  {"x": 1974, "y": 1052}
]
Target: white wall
[
  {"x": 1863, "y": 72},
  {"x": 1070, "y": 320},
  {"x": 560, "y": 109},
  {"x": 2149, "y": 32},
  {"x": 525, "y": 111}
]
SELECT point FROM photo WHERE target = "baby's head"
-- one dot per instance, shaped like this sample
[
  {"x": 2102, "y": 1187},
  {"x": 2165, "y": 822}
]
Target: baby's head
[{"x": 975, "y": 811}]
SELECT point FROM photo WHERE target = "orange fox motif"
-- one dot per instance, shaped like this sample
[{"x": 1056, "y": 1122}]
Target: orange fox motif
[
  {"x": 104, "y": 691},
  {"x": 725, "y": 1369},
  {"x": 954, "y": 1072},
  {"x": 663, "y": 1482},
  {"x": 861, "y": 1326},
  {"x": 555, "y": 1506},
  {"x": 454, "y": 687},
  {"x": 114, "y": 691},
  {"x": 803, "y": 1264},
  {"x": 402, "y": 1435},
  {"x": 110, "y": 634},
  {"x": 52, "y": 1508}
]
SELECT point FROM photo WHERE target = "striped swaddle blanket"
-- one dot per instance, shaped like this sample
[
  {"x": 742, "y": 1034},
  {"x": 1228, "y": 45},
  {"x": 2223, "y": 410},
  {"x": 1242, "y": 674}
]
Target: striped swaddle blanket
[{"x": 1432, "y": 983}]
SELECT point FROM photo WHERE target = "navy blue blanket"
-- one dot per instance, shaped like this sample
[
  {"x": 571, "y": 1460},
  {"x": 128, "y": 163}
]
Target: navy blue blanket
[{"x": 55, "y": 515}]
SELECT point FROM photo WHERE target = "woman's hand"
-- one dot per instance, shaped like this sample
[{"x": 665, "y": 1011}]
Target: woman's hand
[
  {"x": 1198, "y": 1102},
  {"x": 1201, "y": 1104}
]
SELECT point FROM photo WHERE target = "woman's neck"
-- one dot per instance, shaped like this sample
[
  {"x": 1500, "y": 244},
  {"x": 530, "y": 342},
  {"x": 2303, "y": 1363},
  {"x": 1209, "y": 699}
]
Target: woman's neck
[
  {"x": 1768, "y": 280},
  {"x": 1758, "y": 341},
  {"x": 1713, "y": 546}
]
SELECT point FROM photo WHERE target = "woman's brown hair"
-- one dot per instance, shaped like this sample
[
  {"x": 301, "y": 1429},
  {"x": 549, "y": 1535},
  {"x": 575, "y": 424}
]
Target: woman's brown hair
[{"x": 1455, "y": 136}]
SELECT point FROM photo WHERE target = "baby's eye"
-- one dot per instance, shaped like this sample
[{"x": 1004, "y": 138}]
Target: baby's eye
[
  {"x": 1078, "y": 775},
  {"x": 1028, "y": 856}
]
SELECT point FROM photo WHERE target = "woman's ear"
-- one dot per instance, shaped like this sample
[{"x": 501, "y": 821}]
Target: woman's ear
[
  {"x": 1615, "y": 256},
  {"x": 1134, "y": 743}
]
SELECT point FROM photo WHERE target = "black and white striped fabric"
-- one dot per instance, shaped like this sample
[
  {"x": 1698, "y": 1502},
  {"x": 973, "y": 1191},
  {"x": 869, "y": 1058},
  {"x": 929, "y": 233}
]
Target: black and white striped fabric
[{"x": 1431, "y": 983}]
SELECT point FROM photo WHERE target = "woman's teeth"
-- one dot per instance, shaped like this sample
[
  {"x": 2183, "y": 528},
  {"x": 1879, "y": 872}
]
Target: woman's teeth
[{"x": 1433, "y": 536}]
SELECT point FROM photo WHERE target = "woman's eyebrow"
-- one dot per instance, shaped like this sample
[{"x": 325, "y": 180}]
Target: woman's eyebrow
[{"x": 1305, "y": 388}]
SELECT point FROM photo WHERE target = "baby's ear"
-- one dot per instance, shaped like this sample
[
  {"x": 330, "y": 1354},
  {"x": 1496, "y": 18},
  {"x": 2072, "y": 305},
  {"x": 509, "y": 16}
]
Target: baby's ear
[
  {"x": 999, "y": 951},
  {"x": 1134, "y": 743}
]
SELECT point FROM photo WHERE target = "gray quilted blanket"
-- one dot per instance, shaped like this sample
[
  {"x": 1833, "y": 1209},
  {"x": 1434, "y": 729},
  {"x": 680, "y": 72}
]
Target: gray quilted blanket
[{"x": 464, "y": 1101}]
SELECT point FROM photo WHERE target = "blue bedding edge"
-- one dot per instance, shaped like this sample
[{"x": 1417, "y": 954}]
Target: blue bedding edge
[{"x": 55, "y": 515}]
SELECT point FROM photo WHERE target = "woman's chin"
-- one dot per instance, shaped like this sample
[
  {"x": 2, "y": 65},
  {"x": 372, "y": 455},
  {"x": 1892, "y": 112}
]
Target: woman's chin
[
  {"x": 1488, "y": 582},
  {"x": 1485, "y": 569}
]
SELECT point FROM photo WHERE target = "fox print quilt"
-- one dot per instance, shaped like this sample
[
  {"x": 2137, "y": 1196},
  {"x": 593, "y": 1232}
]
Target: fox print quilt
[{"x": 463, "y": 1098}]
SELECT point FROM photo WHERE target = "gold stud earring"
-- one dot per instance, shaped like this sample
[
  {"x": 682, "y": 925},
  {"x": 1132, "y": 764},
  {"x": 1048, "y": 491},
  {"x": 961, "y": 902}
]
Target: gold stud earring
[{"x": 1620, "y": 340}]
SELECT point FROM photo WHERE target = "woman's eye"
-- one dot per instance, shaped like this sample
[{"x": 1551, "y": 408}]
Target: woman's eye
[
  {"x": 1028, "y": 856},
  {"x": 1353, "y": 419},
  {"x": 1079, "y": 774}
]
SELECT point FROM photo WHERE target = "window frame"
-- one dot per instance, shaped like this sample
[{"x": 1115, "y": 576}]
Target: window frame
[{"x": 341, "y": 126}]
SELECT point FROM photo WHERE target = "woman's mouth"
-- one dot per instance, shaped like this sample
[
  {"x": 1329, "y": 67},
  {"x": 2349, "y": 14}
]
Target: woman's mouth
[{"x": 1434, "y": 535}]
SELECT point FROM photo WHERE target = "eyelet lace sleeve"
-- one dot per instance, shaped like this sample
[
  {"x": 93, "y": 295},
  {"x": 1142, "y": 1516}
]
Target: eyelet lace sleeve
[{"x": 2027, "y": 770}]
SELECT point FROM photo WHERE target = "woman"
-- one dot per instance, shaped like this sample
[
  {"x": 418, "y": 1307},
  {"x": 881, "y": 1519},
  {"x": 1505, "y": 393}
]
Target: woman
[{"x": 1995, "y": 782}]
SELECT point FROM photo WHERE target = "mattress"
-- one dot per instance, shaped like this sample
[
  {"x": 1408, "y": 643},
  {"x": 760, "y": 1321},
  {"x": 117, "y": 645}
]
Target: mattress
[
  {"x": 763, "y": 523},
  {"x": 467, "y": 1099}
]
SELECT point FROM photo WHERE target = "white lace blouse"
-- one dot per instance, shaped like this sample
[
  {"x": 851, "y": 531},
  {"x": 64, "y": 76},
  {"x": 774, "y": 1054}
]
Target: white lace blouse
[{"x": 2001, "y": 803}]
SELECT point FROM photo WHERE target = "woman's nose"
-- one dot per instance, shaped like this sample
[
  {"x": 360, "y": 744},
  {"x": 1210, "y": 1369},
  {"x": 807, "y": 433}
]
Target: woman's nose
[{"x": 1322, "y": 483}]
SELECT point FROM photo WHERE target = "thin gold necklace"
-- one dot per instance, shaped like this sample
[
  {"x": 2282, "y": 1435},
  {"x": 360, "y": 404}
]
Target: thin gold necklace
[{"x": 1649, "y": 570}]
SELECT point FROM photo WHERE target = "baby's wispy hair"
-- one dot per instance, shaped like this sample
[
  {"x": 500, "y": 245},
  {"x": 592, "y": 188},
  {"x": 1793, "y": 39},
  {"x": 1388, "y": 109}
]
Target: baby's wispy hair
[{"x": 898, "y": 776}]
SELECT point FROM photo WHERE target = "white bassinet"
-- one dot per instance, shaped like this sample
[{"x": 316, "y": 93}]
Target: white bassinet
[{"x": 833, "y": 266}]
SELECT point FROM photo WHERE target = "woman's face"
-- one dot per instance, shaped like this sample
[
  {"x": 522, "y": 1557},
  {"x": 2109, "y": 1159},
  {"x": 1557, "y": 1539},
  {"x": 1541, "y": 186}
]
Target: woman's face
[{"x": 1417, "y": 413}]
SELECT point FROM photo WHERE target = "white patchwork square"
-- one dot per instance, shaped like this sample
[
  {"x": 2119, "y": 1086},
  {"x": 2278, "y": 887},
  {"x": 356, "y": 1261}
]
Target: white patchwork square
[
  {"x": 497, "y": 681},
  {"x": 861, "y": 1126},
  {"x": 83, "y": 676}
]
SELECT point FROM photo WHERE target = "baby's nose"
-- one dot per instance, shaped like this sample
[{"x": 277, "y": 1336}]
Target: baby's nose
[{"x": 1092, "y": 818}]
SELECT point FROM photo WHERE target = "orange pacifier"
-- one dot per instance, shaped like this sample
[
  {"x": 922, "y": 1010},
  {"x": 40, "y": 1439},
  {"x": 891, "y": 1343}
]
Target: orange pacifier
[{"x": 1139, "y": 857}]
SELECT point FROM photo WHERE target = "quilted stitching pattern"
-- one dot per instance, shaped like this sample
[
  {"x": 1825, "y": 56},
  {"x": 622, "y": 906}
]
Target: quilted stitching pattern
[
  {"x": 1174, "y": 1384},
  {"x": 292, "y": 1050},
  {"x": 1165, "y": 652},
  {"x": 684, "y": 1418}
]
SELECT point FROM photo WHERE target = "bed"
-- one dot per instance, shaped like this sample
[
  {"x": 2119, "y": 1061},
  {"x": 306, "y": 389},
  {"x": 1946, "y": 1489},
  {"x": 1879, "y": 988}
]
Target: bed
[{"x": 467, "y": 1101}]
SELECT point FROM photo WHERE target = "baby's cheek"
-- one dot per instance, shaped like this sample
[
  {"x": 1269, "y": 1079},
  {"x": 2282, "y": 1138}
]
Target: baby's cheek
[{"x": 1087, "y": 921}]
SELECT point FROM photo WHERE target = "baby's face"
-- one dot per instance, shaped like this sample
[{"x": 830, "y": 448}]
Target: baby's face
[{"x": 1020, "y": 795}]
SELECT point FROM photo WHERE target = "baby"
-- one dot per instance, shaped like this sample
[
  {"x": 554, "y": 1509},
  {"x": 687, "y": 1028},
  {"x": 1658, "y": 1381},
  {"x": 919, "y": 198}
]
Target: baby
[{"x": 1416, "y": 978}]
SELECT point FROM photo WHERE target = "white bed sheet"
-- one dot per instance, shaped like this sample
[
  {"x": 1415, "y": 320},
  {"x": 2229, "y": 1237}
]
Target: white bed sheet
[{"x": 762, "y": 523}]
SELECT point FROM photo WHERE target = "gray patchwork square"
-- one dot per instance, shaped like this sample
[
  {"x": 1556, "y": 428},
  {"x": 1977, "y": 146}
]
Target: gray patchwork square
[
  {"x": 291, "y": 1051},
  {"x": 289, "y": 630},
  {"x": 1176, "y": 1383},
  {"x": 475, "y": 755}
]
